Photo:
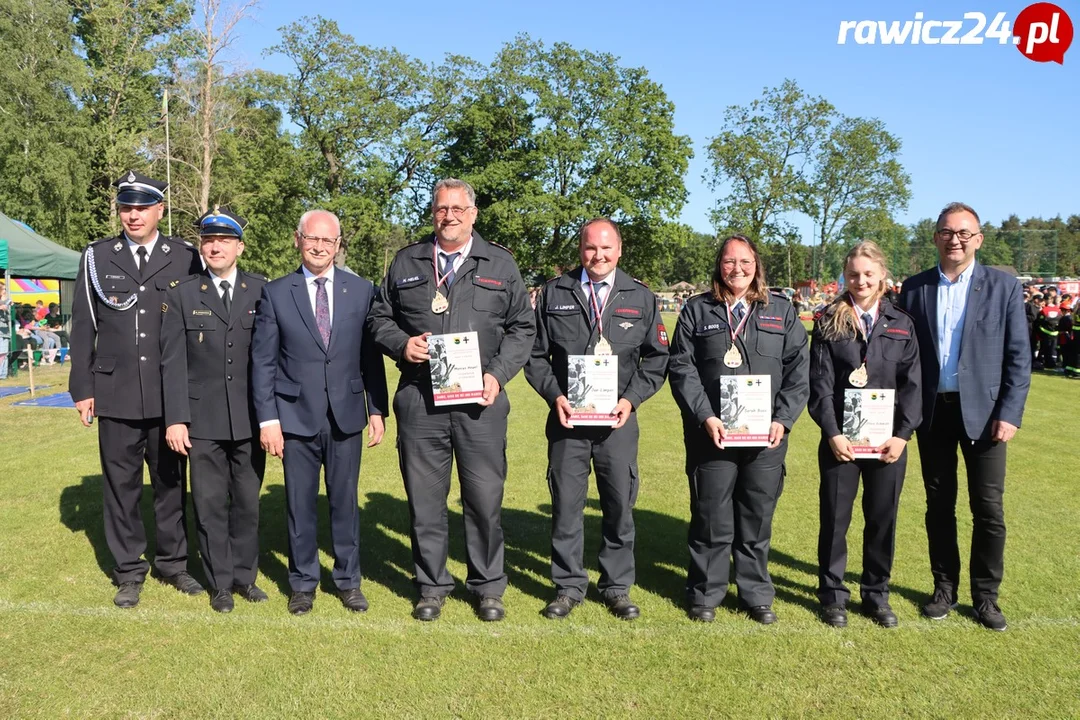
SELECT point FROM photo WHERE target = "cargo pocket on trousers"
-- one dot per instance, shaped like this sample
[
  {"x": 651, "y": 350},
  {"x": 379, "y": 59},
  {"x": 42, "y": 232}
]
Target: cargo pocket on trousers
[{"x": 635, "y": 484}]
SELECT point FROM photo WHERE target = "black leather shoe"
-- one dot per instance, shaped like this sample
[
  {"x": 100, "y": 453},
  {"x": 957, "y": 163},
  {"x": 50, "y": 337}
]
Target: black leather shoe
[
  {"x": 762, "y": 614},
  {"x": 881, "y": 614},
  {"x": 353, "y": 600},
  {"x": 938, "y": 606},
  {"x": 183, "y": 582},
  {"x": 428, "y": 607},
  {"x": 701, "y": 613},
  {"x": 834, "y": 616},
  {"x": 221, "y": 601},
  {"x": 251, "y": 593},
  {"x": 127, "y": 596},
  {"x": 622, "y": 607},
  {"x": 989, "y": 614},
  {"x": 490, "y": 609},
  {"x": 560, "y": 607},
  {"x": 300, "y": 602}
]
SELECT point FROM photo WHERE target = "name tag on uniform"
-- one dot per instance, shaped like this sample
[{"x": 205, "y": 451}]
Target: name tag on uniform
[
  {"x": 201, "y": 312},
  {"x": 562, "y": 308},
  {"x": 405, "y": 281},
  {"x": 704, "y": 329}
]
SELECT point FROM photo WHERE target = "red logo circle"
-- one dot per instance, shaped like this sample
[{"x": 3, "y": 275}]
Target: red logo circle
[{"x": 1043, "y": 32}]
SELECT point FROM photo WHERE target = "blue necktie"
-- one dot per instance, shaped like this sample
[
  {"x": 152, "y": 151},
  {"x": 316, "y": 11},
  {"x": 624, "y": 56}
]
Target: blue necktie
[
  {"x": 738, "y": 311},
  {"x": 868, "y": 323},
  {"x": 448, "y": 267}
]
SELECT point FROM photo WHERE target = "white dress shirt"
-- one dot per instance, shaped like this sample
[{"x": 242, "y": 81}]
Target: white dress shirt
[
  {"x": 603, "y": 291},
  {"x": 462, "y": 254},
  {"x": 134, "y": 247},
  {"x": 230, "y": 278}
]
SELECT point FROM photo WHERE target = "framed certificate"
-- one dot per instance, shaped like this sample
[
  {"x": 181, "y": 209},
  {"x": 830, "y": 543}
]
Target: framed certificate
[
  {"x": 592, "y": 387},
  {"x": 456, "y": 375},
  {"x": 868, "y": 420},
  {"x": 746, "y": 409}
]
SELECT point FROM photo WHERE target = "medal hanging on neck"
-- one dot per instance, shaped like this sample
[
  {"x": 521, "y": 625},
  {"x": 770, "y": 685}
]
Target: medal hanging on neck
[
  {"x": 859, "y": 377},
  {"x": 603, "y": 347},
  {"x": 733, "y": 358},
  {"x": 439, "y": 304}
]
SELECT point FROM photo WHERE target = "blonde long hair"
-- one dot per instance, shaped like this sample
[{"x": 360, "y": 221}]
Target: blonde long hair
[{"x": 840, "y": 321}]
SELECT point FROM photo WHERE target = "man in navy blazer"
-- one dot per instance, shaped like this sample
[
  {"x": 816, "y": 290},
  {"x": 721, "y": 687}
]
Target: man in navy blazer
[
  {"x": 976, "y": 371},
  {"x": 317, "y": 381}
]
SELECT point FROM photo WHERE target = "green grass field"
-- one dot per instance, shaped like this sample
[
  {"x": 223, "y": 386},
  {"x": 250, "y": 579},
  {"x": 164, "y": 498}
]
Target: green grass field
[{"x": 65, "y": 651}]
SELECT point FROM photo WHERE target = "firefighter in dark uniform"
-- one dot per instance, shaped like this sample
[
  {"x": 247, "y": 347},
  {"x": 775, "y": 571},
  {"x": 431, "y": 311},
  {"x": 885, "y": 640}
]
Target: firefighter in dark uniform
[
  {"x": 1069, "y": 339},
  {"x": 206, "y": 327},
  {"x": 1046, "y": 327},
  {"x": 454, "y": 281},
  {"x": 737, "y": 329},
  {"x": 116, "y": 376},
  {"x": 567, "y": 323},
  {"x": 861, "y": 341}
]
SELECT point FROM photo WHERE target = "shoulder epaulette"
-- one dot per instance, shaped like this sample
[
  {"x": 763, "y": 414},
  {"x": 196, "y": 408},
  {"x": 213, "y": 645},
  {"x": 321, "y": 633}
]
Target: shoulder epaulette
[
  {"x": 641, "y": 283},
  {"x": 501, "y": 247},
  {"x": 255, "y": 276},
  {"x": 181, "y": 281}
]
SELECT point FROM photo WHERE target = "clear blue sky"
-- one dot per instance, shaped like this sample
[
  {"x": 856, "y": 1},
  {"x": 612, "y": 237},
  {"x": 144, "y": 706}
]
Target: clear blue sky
[{"x": 979, "y": 123}]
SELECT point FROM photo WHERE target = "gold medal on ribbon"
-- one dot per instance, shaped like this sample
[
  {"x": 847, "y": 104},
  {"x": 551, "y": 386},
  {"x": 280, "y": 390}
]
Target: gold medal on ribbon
[
  {"x": 439, "y": 304},
  {"x": 858, "y": 377},
  {"x": 733, "y": 358},
  {"x": 603, "y": 347}
]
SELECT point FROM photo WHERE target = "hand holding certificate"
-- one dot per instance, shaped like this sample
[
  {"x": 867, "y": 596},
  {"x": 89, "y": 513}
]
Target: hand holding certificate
[
  {"x": 868, "y": 421},
  {"x": 456, "y": 375},
  {"x": 746, "y": 410},
  {"x": 592, "y": 389}
]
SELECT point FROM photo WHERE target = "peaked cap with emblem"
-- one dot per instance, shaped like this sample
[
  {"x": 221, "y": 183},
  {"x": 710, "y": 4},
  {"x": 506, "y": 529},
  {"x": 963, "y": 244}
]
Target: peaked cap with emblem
[
  {"x": 138, "y": 190},
  {"x": 221, "y": 221}
]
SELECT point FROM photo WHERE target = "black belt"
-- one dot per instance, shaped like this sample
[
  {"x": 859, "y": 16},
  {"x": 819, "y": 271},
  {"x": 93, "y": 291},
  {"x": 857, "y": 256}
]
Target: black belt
[{"x": 949, "y": 397}]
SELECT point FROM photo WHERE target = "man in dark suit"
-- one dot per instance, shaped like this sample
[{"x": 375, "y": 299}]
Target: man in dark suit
[
  {"x": 206, "y": 327},
  {"x": 317, "y": 381},
  {"x": 116, "y": 376},
  {"x": 976, "y": 368}
]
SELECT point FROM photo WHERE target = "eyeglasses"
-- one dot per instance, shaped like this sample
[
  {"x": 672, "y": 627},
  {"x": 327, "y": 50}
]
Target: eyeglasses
[
  {"x": 964, "y": 235},
  {"x": 313, "y": 241},
  {"x": 744, "y": 264},
  {"x": 457, "y": 210}
]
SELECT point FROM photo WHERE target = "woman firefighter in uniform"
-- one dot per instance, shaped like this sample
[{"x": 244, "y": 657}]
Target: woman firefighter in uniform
[
  {"x": 737, "y": 329},
  {"x": 865, "y": 395}
]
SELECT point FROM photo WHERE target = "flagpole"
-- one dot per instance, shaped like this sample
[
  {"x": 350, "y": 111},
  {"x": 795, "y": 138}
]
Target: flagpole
[{"x": 168, "y": 155}]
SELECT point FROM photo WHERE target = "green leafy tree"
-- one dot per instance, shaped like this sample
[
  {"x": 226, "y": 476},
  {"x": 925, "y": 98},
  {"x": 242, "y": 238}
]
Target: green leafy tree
[
  {"x": 43, "y": 136},
  {"x": 760, "y": 155},
  {"x": 556, "y": 136}
]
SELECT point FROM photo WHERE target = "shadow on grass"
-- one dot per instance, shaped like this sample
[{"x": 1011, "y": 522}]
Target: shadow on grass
[{"x": 81, "y": 511}]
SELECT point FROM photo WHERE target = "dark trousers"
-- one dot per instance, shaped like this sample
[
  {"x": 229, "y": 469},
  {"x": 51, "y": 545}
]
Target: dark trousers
[
  {"x": 339, "y": 453},
  {"x": 733, "y": 496},
  {"x": 429, "y": 441},
  {"x": 613, "y": 453},
  {"x": 226, "y": 477},
  {"x": 882, "y": 484},
  {"x": 985, "y": 463},
  {"x": 124, "y": 445}
]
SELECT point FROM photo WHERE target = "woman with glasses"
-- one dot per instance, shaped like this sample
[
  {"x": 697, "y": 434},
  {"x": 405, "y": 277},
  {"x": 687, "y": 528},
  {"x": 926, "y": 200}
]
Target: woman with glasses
[
  {"x": 864, "y": 351},
  {"x": 737, "y": 329}
]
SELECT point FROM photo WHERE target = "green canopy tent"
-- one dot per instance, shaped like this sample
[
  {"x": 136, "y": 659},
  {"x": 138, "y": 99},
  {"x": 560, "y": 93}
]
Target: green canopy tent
[{"x": 25, "y": 254}]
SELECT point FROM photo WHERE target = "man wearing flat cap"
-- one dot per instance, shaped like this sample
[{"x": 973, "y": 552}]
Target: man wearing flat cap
[
  {"x": 206, "y": 326},
  {"x": 116, "y": 377}
]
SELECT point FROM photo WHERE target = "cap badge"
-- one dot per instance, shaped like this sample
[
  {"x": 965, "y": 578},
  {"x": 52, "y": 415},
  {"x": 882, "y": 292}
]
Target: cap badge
[{"x": 131, "y": 176}]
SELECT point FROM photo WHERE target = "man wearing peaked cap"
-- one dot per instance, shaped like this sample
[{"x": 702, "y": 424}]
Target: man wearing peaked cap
[
  {"x": 116, "y": 377},
  {"x": 206, "y": 329}
]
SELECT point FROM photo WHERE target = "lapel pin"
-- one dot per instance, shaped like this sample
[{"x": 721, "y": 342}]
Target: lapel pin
[
  {"x": 118, "y": 247},
  {"x": 243, "y": 285},
  {"x": 200, "y": 336},
  {"x": 165, "y": 249},
  {"x": 202, "y": 287}
]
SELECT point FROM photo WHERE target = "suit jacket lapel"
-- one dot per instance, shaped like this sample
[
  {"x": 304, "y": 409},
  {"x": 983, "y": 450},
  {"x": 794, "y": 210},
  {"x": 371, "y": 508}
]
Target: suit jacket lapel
[
  {"x": 929, "y": 292},
  {"x": 157, "y": 261},
  {"x": 341, "y": 288},
  {"x": 240, "y": 300},
  {"x": 122, "y": 259},
  {"x": 303, "y": 306},
  {"x": 972, "y": 305},
  {"x": 208, "y": 294}
]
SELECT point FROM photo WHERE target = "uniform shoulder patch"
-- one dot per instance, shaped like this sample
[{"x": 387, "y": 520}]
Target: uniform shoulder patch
[{"x": 661, "y": 334}]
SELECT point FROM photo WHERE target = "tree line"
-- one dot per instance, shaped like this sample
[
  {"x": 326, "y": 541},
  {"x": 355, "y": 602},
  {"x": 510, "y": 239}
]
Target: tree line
[{"x": 549, "y": 135}]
